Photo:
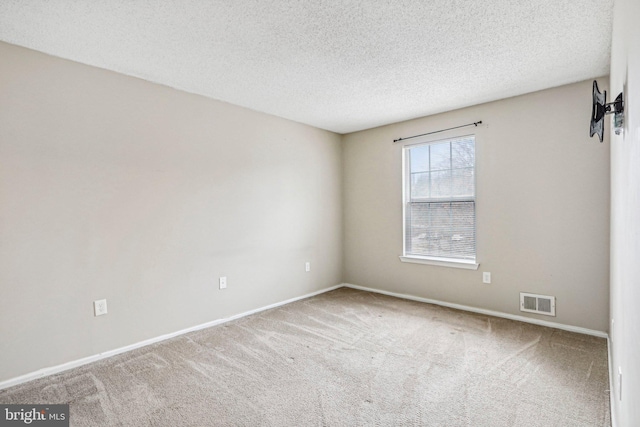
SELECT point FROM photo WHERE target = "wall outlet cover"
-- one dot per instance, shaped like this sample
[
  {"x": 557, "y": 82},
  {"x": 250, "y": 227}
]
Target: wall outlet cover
[{"x": 100, "y": 307}]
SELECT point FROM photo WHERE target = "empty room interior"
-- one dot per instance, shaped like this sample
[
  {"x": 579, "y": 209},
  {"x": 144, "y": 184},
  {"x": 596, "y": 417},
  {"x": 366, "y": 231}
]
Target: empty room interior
[{"x": 341, "y": 213}]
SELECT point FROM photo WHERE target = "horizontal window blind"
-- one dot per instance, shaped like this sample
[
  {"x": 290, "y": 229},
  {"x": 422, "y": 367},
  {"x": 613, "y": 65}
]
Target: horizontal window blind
[{"x": 440, "y": 212}]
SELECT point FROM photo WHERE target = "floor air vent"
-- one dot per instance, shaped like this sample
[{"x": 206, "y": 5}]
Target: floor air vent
[{"x": 541, "y": 304}]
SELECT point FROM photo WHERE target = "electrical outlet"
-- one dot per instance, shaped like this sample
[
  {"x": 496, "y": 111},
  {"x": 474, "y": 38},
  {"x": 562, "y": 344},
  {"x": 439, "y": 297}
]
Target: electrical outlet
[
  {"x": 223, "y": 282},
  {"x": 100, "y": 307},
  {"x": 307, "y": 266},
  {"x": 486, "y": 277}
]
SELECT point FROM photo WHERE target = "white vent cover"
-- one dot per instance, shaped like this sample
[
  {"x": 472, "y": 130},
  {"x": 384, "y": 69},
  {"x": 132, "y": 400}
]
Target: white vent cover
[{"x": 541, "y": 304}]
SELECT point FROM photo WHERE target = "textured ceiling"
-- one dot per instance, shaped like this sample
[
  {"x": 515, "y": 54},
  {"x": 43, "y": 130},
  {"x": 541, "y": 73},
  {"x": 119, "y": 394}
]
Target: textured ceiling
[{"x": 341, "y": 65}]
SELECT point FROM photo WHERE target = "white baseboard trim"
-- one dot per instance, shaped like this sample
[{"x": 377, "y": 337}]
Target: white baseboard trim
[
  {"x": 85, "y": 360},
  {"x": 564, "y": 327},
  {"x": 612, "y": 394}
]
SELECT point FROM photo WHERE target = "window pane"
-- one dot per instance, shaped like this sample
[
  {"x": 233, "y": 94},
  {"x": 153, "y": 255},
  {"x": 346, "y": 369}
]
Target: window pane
[
  {"x": 440, "y": 219},
  {"x": 441, "y": 184},
  {"x": 417, "y": 229},
  {"x": 440, "y": 156},
  {"x": 463, "y": 182},
  {"x": 442, "y": 230},
  {"x": 419, "y": 158},
  {"x": 463, "y": 238},
  {"x": 419, "y": 185},
  {"x": 463, "y": 153}
]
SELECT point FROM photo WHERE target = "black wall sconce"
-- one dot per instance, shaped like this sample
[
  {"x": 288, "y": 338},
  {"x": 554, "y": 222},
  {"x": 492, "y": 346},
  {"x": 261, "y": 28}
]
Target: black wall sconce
[{"x": 600, "y": 108}]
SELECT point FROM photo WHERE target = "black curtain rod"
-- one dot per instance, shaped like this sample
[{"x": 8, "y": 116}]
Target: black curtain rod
[{"x": 437, "y": 131}]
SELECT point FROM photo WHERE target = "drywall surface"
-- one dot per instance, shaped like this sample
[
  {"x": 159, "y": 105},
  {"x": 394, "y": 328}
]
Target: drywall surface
[
  {"x": 112, "y": 187},
  {"x": 542, "y": 208},
  {"x": 625, "y": 217}
]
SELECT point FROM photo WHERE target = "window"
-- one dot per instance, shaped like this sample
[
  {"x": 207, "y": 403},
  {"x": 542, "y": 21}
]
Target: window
[{"x": 440, "y": 203}]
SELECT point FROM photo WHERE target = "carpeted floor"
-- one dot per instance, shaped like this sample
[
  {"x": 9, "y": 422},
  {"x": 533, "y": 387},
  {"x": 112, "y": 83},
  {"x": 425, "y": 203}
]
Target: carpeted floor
[{"x": 344, "y": 358}]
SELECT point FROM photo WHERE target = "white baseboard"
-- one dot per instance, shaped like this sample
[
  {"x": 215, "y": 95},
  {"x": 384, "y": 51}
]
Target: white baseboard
[
  {"x": 612, "y": 394},
  {"x": 483, "y": 311},
  {"x": 85, "y": 360}
]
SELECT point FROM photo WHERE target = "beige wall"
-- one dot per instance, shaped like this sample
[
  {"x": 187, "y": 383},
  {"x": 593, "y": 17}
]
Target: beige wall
[
  {"x": 542, "y": 208},
  {"x": 113, "y": 187},
  {"x": 625, "y": 216}
]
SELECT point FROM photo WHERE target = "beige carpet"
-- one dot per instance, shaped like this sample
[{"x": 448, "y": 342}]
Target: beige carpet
[{"x": 344, "y": 358}]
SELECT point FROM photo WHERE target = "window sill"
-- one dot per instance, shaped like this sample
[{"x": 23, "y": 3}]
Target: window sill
[{"x": 442, "y": 262}]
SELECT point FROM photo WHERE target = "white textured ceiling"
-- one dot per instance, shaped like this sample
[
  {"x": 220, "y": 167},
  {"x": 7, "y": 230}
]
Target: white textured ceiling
[{"x": 341, "y": 65}]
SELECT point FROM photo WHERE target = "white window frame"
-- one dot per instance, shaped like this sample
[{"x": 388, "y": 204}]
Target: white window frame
[{"x": 431, "y": 260}]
